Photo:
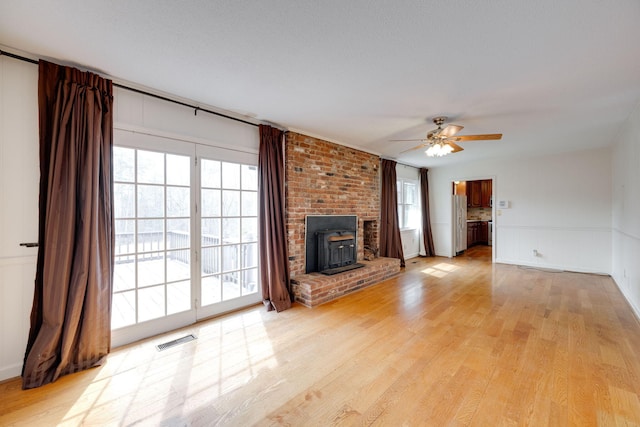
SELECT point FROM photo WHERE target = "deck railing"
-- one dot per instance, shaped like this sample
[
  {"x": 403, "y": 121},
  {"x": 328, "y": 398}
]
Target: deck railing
[{"x": 151, "y": 246}]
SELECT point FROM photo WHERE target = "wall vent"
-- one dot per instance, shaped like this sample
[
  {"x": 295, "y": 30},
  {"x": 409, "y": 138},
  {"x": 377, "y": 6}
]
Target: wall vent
[{"x": 175, "y": 342}]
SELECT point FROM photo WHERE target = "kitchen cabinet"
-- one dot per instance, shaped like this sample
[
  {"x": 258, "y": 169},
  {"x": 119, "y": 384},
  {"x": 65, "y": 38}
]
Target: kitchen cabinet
[
  {"x": 483, "y": 233},
  {"x": 473, "y": 232},
  {"x": 474, "y": 194},
  {"x": 477, "y": 233},
  {"x": 472, "y": 228},
  {"x": 479, "y": 194},
  {"x": 485, "y": 193}
]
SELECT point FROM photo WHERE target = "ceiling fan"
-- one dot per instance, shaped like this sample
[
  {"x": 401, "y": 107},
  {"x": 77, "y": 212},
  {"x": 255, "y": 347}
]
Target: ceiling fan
[{"x": 442, "y": 141}]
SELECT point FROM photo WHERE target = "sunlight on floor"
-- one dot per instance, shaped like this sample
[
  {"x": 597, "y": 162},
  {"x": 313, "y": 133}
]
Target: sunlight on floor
[
  {"x": 145, "y": 385},
  {"x": 440, "y": 270}
]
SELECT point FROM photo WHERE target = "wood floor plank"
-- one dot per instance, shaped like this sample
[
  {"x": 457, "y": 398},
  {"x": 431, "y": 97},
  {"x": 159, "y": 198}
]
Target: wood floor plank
[{"x": 457, "y": 342}]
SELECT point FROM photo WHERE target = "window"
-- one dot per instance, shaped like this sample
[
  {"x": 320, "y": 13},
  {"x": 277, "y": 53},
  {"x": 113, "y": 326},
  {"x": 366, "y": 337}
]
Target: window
[{"x": 408, "y": 204}]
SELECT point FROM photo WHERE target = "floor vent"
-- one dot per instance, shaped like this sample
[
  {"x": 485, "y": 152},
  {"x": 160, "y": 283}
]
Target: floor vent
[{"x": 175, "y": 342}]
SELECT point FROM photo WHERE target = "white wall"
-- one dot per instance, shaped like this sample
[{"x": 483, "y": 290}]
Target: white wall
[
  {"x": 560, "y": 206},
  {"x": 626, "y": 211},
  {"x": 145, "y": 114},
  {"x": 19, "y": 177}
]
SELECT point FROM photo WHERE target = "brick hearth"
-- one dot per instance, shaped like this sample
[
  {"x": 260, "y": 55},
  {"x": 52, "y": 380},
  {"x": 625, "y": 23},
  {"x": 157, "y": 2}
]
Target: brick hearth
[{"x": 314, "y": 289}]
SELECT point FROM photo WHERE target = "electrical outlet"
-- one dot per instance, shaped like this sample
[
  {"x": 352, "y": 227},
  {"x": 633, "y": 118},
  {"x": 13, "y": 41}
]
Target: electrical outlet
[{"x": 535, "y": 252}]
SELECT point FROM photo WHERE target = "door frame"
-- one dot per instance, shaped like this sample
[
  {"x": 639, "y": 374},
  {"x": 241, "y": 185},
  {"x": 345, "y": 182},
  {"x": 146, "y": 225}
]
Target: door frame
[
  {"x": 216, "y": 309},
  {"x": 494, "y": 215},
  {"x": 149, "y": 141},
  {"x": 144, "y": 141}
]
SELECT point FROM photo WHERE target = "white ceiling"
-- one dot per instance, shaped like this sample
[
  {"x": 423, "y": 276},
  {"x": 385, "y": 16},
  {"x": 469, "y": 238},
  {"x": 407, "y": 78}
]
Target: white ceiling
[{"x": 548, "y": 74}]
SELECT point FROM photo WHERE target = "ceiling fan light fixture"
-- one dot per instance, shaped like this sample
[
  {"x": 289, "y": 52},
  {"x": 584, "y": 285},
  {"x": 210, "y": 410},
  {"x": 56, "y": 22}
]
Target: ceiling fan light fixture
[
  {"x": 438, "y": 149},
  {"x": 442, "y": 141}
]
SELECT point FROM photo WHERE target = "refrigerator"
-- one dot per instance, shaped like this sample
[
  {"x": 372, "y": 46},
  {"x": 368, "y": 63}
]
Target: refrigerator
[{"x": 460, "y": 222}]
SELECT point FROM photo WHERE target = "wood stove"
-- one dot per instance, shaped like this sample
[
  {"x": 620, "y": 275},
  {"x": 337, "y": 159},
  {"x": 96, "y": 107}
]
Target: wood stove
[
  {"x": 332, "y": 244},
  {"x": 336, "y": 248}
]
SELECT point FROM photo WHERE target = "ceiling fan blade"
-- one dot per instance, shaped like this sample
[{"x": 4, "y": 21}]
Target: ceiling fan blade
[
  {"x": 450, "y": 130},
  {"x": 485, "y": 137},
  {"x": 416, "y": 147},
  {"x": 455, "y": 146},
  {"x": 406, "y": 140}
]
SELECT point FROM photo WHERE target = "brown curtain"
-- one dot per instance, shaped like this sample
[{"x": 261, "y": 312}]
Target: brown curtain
[
  {"x": 71, "y": 314},
  {"x": 274, "y": 256},
  {"x": 426, "y": 219},
  {"x": 390, "y": 243}
]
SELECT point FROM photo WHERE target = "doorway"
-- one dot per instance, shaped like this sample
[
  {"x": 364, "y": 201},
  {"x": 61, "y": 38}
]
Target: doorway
[{"x": 473, "y": 215}]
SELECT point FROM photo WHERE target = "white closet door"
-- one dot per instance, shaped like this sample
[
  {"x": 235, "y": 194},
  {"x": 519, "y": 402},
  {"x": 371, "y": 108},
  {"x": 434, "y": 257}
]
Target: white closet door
[{"x": 19, "y": 178}]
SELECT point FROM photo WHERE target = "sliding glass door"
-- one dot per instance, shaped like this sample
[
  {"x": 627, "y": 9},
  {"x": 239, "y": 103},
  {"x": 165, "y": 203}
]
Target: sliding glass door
[{"x": 186, "y": 234}]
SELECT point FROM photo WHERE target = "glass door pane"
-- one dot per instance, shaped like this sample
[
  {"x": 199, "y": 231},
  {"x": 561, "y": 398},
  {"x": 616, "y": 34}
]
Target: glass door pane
[
  {"x": 153, "y": 246},
  {"x": 229, "y": 235}
]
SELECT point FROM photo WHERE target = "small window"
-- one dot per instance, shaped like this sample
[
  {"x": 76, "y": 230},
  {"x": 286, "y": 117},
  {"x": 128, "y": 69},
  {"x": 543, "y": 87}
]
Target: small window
[{"x": 408, "y": 204}]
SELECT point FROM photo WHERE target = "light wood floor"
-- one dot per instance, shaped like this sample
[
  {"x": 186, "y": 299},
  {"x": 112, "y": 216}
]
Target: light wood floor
[{"x": 447, "y": 342}]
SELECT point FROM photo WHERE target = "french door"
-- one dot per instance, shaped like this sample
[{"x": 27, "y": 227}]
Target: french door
[
  {"x": 228, "y": 230},
  {"x": 186, "y": 234}
]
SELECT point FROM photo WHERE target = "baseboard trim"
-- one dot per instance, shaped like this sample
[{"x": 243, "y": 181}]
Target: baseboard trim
[
  {"x": 569, "y": 269},
  {"x": 10, "y": 372},
  {"x": 635, "y": 310}
]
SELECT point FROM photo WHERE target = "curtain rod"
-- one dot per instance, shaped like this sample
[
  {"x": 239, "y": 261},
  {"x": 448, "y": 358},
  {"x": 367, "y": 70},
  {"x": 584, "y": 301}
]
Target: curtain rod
[
  {"x": 195, "y": 108},
  {"x": 21, "y": 58},
  {"x": 142, "y": 92},
  {"x": 405, "y": 164}
]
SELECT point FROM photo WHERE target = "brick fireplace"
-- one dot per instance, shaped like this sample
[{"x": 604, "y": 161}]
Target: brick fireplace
[{"x": 323, "y": 178}]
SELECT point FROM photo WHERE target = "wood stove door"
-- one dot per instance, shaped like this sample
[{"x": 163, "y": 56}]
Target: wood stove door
[
  {"x": 349, "y": 252},
  {"x": 341, "y": 253},
  {"x": 335, "y": 254}
]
